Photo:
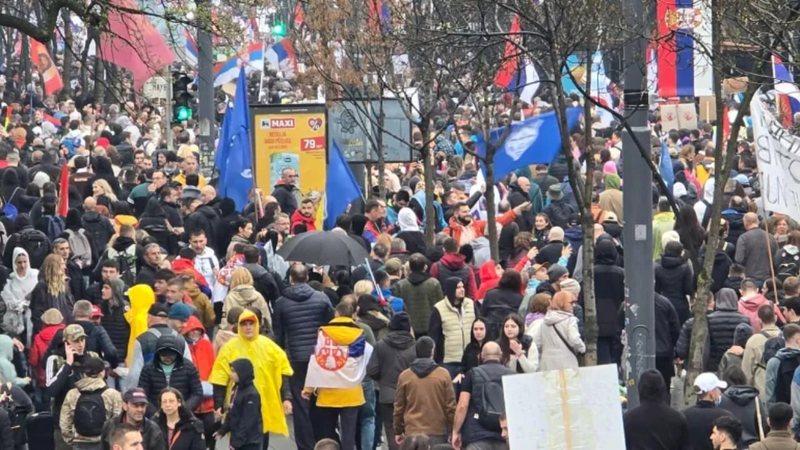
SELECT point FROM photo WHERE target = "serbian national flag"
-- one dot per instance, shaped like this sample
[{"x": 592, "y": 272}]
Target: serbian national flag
[
  {"x": 684, "y": 31},
  {"x": 516, "y": 74},
  {"x": 63, "y": 192},
  {"x": 788, "y": 98},
  {"x": 133, "y": 43},
  {"x": 379, "y": 16},
  {"x": 41, "y": 59}
]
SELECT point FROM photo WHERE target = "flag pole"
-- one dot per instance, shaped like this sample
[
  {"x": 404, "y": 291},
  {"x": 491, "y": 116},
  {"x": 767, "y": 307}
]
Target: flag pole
[{"x": 769, "y": 247}]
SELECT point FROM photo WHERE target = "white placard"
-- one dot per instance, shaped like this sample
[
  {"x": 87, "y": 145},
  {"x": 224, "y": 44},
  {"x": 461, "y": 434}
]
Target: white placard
[
  {"x": 778, "y": 154},
  {"x": 155, "y": 88},
  {"x": 565, "y": 409}
]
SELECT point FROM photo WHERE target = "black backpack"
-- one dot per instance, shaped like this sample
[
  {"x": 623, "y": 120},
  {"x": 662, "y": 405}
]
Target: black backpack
[
  {"x": 36, "y": 244},
  {"x": 90, "y": 413},
  {"x": 492, "y": 405},
  {"x": 771, "y": 348},
  {"x": 789, "y": 266}
]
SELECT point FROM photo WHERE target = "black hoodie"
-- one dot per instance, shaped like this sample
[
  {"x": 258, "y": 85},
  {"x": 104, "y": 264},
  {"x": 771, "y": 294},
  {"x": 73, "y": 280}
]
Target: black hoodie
[
  {"x": 674, "y": 280},
  {"x": 245, "y": 408},
  {"x": 184, "y": 376},
  {"x": 741, "y": 402},
  {"x": 609, "y": 287},
  {"x": 393, "y": 354}
]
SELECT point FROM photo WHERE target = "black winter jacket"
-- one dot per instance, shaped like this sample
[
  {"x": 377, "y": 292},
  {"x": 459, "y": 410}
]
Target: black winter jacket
[
  {"x": 264, "y": 282},
  {"x": 393, "y": 354},
  {"x": 655, "y": 426},
  {"x": 741, "y": 402},
  {"x": 191, "y": 431},
  {"x": 497, "y": 304},
  {"x": 151, "y": 433},
  {"x": 609, "y": 288},
  {"x": 119, "y": 330},
  {"x": 244, "y": 417},
  {"x": 668, "y": 327},
  {"x": 297, "y": 317},
  {"x": 184, "y": 376},
  {"x": 98, "y": 230},
  {"x": 550, "y": 253},
  {"x": 674, "y": 280},
  {"x": 284, "y": 194},
  {"x": 700, "y": 418},
  {"x": 721, "y": 325}
]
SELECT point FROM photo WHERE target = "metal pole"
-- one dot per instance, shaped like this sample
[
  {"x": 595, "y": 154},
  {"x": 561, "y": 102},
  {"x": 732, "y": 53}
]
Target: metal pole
[
  {"x": 205, "y": 94},
  {"x": 168, "y": 109},
  {"x": 638, "y": 207}
]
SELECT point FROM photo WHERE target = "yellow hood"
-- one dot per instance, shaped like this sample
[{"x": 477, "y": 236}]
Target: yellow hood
[
  {"x": 342, "y": 330},
  {"x": 247, "y": 315}
]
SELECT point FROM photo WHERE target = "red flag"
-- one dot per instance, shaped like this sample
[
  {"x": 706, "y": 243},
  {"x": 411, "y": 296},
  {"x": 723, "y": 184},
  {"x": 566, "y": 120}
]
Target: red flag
[
  {"x": 726, "y": 125},
  {"x": 299, "y": 15},
  {"x": 63, "y": 192},
  {"x": 134, "y": 43},
  {"x": 505, "y": 76},
  {"x": 41, "y": 59}
]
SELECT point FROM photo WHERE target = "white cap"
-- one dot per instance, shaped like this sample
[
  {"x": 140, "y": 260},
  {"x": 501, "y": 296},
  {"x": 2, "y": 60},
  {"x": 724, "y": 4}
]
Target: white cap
[{"x": 707, "y": 382}]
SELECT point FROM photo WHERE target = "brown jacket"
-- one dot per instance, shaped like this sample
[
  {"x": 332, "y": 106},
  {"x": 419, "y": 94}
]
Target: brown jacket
[
  {"x": 777, "y": 440},
  {"x": 425, "y": 402}
]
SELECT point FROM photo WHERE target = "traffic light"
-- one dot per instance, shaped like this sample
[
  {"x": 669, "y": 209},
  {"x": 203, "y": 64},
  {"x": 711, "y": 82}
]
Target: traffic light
[
  {"x": 182, "y": 96},
  {"x": 279, "y": 29}
]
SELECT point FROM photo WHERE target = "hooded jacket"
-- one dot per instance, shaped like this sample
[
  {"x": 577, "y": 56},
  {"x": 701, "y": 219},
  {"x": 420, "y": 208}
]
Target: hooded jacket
[
  {"x": 674, "y": 280},
  {"x": 721, "y": 327},
  {"x": 393, "y": 354},
  {"x": 14, "y": 295},
  {"x": 741, "y": 402},
  {"x": 297, "y": 218},
  {"x": 554, "y": 353},
  {"x": 98, "y": 230},
  {"x": 489, "y": 279},
  {"x": 749, "y": 305},
  {"x": 114, "y": 320},
  {"x": 654, "y": 425},
  {"x": 297, "y": 317},
  {"x": 271, "y": 369},
  {"x": 342, "y": 331},
  {"x": 285, "y": 195},
  {"x": 202, "y": 358},
  {"x": 243, "y": 420},
  {"x": 425, "y": 401},
  {"x": 609, "y": 287},
  {"x": 611, "y": 197},
  {"x": 420, "y": 292},
  {"x": 497, "y": 305},
  {"x": 36, "y": 357},
  {"x": 184, "y": 376},
  {"x": 476, "y": 228},
  {"x": 245, "y": 296},
  {"x": 112, "y": 400},
  {"x": 7, "y": 369},
  {"x": 454, "y": 265},
  {"x": 662, "y": 222},
  {"x": 451, "y": 325},
  {"x": 202, "y": 304}
]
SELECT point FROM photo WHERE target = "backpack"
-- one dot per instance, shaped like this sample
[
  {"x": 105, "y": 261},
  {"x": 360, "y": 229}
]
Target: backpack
[
  {"x": 80, "y": 246},
  {"x": 771, "y": 348},
  {"x": 54, "y": 226},
  {"x": 127, "y": 263},
  {"x": 492, "y": 405},
  {"x": 90, "y": 413},
  {"x": 9, "y": 209},
  {"x": 36, "y": 244},
  {"x": 789, "y": 266}
]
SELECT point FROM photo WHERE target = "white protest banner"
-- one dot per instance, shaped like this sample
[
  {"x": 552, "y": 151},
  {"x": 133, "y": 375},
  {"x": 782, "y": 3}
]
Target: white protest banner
[
  {"x": 669, "y": 117},
  {"x": 565, "y": 409},
  {"x": 778, "y": 154}
]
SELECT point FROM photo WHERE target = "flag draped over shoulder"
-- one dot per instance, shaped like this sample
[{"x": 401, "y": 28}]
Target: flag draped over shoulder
[
  {"x": 41, "y": 59},
  {"x": 234, "y": 158},
  {"x": 536, "y": 140},
  {"x": 336, "y": 365},
  {"x": 684, "y": 69},
  {"x": 340, "y": 186},
  {"x": 133, "y": 43}
]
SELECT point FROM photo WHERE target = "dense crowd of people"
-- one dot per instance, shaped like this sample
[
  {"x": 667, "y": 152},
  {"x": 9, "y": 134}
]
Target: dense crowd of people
[{"x": 141, "y": 310}]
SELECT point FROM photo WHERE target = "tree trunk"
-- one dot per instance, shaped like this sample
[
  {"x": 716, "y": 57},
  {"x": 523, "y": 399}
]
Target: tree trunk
[
  {"x": 587, "y": 226},
  {"x": 99, "y": 80},
  {"x": 491, "y": 211},
  {"x": 25, "y": 65},
  {"x": 68, "y": 57},
  {"x": 428, "y": 170},
  {"x": 379, "y": 148}
]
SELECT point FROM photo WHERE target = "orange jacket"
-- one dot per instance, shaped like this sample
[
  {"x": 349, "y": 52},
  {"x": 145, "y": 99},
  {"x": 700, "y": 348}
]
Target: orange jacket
[
  {"x": 202, "y": 357},
  {"x": 479, "y": 226}
]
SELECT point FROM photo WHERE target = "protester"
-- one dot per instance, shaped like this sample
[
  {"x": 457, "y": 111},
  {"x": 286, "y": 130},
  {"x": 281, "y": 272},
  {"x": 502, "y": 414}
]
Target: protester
[
  {"x": 780, "y": 436},
  {"x": 558, "y": 341},
  {"x": 653, "y": 424},
  {"x": 701, "y": 417}
]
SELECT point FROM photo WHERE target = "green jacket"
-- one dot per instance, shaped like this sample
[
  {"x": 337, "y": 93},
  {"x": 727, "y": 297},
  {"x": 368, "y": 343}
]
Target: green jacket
[
  {"x": 420, "y": 292},
  {"x": 662, "y": 222}
]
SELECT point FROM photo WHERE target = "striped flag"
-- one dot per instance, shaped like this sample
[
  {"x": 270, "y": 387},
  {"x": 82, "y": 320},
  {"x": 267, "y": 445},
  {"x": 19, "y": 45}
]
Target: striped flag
[
  {"x": 684, "y": 69},
  {"x": 251, "y": 57},
  {"x": 516, "y": 74},
  {"x": 40, "y": 57},
  {"x": 788, "y": 98},
  {"x": 281, "y": 57}
]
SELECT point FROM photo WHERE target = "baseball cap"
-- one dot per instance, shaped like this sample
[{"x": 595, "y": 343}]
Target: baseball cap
[
  {"x": 179, "y": 311},
  {"x": 135, "y": 395},
  {"x": 74, "y": 332},
  {"x": 707, "y": 382},
  {"x": 96, "y": 311},
  {"x": 93, "y": 365},
  {"x": 158, "y": 309}
]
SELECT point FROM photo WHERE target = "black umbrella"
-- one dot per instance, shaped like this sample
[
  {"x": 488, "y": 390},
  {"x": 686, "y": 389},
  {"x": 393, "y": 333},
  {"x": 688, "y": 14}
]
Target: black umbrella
[{"x": 323, "y": 248}]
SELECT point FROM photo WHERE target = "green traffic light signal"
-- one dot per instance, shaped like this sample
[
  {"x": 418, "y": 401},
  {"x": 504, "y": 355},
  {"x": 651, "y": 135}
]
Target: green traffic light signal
[
  {"x": 183, "y": 113},
  {"x": 279, "y": 29}
]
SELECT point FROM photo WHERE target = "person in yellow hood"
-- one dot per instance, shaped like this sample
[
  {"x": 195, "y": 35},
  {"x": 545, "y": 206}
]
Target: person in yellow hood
[
  {"x": 272, "y": 370},
  {"x": 335, "y": 404},
  {"x": 141, "y": 297}
]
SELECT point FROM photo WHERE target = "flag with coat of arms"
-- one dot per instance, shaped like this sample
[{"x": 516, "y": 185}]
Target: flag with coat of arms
[{"x": 340, "y": 357}]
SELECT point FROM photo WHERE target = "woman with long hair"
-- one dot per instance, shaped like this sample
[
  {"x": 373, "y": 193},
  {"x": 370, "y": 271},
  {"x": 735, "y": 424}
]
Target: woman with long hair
[
  {"x": 541, "y": 229},
  {"x": 181, "y": 429},
  {"x": 559, "y": 340},
  {"x": 243, "y": 294},
  {"x": 691, "y": 233},
  {"x": 502, "y": 301},
  {"x": 51, "y": 291},
  {"x": 780, "y": 228},
  {"x": 472, "y": 351},
  {"x": 518, "y": 353}
]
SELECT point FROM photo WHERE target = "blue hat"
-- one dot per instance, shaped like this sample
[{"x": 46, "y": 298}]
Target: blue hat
[{"x": 180, "y": 311}]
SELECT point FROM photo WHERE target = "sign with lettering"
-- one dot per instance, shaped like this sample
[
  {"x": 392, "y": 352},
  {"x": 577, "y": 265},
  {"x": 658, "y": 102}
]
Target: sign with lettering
[
  {"x": 778, "y": 154},
  {"x": 155, "y": 88}
]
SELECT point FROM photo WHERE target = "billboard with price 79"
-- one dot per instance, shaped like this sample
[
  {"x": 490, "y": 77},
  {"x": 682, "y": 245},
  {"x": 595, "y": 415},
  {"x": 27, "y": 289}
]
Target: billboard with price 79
[{"x": 290, "y": 136}]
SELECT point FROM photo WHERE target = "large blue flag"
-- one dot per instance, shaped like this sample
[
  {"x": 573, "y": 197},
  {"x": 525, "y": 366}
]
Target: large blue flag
[
  {"x": 340, "y": 186},
  {"x": 234, "y": 158},
  {"x": 665, "y": 167},
  {"x": 533, "y": 141}
]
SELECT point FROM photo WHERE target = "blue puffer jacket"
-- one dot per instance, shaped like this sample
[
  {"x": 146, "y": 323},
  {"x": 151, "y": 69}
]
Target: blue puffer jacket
[{"x": 297, "y": 317}]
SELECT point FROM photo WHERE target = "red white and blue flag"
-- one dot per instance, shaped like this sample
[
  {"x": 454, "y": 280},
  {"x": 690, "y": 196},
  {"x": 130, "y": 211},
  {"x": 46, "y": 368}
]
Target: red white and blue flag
[
  {"x": 788, "y": 98},
  {"x": 251, "y": 57},
  {"x": 516, "y": 74},
  {"x": 281, "y": 57},
  {"x": 190, "y": 48},
  {"x": 684, "y": 32}
]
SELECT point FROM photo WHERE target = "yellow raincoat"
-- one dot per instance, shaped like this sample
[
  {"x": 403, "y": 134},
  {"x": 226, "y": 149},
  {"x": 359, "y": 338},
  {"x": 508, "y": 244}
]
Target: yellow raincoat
[
  {"x": 142, "y": 298},
  {"x": 270, "y": 365}
]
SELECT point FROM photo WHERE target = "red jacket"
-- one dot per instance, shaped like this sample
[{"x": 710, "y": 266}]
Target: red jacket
[
  {"x": 299, "y": 218},
  {"x": 41, "y": 342},
  {"x": 489, "y": 279},
  {"x": 183, "y": 265},
  {"x": 202, "y": 357},
  {"x": 455, "y": 262}
]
